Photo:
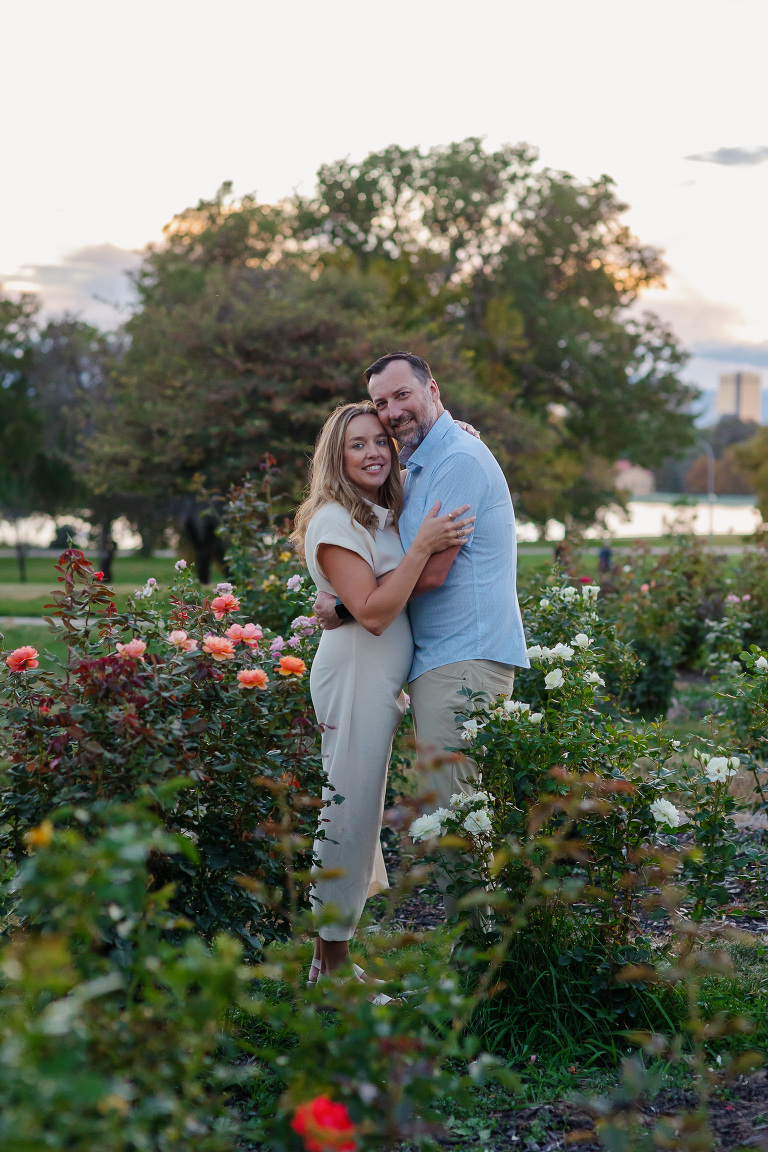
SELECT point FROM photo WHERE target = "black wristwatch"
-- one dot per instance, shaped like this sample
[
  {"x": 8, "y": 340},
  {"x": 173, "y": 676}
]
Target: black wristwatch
[{"x": 342, "y": 611}]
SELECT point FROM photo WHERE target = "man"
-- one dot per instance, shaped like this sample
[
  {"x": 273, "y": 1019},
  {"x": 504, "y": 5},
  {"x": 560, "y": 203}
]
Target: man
[{"x": 465, "y": 617}]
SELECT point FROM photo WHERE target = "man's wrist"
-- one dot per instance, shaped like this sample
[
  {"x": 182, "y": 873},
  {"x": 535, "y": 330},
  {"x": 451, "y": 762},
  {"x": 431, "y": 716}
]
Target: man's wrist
[{"x": 342, "y": 611}]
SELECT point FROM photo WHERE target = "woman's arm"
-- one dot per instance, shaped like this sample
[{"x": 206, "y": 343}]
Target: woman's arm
[{"x": 376, "y": 605}]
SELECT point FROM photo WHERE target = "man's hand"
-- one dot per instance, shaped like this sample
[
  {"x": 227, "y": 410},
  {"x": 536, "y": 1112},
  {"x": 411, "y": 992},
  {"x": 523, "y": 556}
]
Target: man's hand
[{"x": 324, "y": 609}]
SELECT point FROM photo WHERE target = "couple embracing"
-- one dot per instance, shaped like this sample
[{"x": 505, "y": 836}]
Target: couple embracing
[{"x": 416, "y": 572}]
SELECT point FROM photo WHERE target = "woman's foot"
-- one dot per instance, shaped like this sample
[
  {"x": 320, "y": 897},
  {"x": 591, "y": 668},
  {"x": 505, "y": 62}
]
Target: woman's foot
[
  {"x": 314, "y": 972},
  {"x": 376, "y": 998}
]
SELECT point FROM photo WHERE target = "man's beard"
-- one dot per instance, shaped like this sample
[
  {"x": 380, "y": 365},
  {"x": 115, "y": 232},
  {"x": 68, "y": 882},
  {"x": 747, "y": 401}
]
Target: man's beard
[{"x": 417, "y": 431}]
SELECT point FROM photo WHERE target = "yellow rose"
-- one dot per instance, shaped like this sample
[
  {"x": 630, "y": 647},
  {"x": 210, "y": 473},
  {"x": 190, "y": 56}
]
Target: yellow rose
[{"x": 41, "y": 836}]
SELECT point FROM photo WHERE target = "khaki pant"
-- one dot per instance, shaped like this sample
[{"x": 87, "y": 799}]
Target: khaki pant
[{"x": 436, "y": 697}]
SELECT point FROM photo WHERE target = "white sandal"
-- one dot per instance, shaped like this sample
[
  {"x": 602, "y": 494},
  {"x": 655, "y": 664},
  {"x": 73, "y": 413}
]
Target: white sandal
[
  {"x": 376, "y": 998},
  {"x": 357, "y": 970}
]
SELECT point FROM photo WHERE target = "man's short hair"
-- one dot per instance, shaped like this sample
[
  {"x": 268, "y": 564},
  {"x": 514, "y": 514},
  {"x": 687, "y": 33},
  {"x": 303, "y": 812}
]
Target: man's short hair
[{"x": 420, "y": 368}]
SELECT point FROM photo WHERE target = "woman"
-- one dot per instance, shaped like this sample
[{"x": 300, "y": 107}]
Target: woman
[{"x": 347, "y": 532}]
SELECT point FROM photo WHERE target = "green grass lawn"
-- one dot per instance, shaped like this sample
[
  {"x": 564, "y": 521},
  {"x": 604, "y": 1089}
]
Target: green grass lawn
[
  {"x": 133, "y": 570},
  {"x": 29, "y": 599}
]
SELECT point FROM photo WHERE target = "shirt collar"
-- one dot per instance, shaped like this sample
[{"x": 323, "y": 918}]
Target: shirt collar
[
  {"x": 384, "y": 516},
  {"x": 431, "y": 442}
]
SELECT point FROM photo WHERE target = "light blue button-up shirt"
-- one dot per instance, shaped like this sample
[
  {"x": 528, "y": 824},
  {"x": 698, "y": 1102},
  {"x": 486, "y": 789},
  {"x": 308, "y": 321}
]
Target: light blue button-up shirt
[{"x": 474, "y": 615}]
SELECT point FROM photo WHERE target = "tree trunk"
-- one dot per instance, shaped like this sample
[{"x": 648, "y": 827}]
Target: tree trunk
[
  {"x": 21, "y": 560},
  {"x": 106, "y": 549}
]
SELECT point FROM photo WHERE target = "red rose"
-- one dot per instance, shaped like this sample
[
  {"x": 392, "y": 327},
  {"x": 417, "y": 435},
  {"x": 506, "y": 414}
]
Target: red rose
[
  {"x": 98, "y": 575},
  {"x": 324, "y": 1126}
]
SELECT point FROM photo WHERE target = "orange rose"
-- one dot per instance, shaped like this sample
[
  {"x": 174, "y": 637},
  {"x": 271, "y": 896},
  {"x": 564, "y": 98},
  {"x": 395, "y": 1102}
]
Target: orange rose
[
  {"x": 291, "y": 666},
  {"x": 253, "y": 678},
  {"x": 134, "y": 649},
  {"x": 218, "y": 647},
  {"x": 22, "y": 658},
  {"x": 223, "y": 604}
]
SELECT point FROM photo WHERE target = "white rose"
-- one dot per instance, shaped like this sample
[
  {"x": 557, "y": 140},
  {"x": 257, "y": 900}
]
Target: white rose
[
  {"x": 664, "y": 812},
  {"x": 427, "y": 827},
  {"x": 581, "y": 640},
  {"x": 562, "y": 651},
  {"x": 544, "y": 603},
  {"x": 536, "y": 717},
  {"x": 590, "y": 591},
  {"x": 761, "y": 664},
  {"x": 477, "y": 823},
  {"x": 534, "y": 652},
  {"x": 516, "y": 706},
  {"x": 567, "y": 593},
  {"x": 593, "y": 678},
  {"x": 554, "y": 679},
  {"x": 458, "y": 799},
  {"x": 718, "y": 768},
  {"x": 470, "y": 730}
]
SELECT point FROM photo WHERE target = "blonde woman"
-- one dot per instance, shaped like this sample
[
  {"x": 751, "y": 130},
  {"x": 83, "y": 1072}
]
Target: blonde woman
[{"x": 346, "y": 530}]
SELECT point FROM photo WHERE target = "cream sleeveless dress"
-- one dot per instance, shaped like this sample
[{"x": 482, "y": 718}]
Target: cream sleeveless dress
[{"x": 356, "y": 684}]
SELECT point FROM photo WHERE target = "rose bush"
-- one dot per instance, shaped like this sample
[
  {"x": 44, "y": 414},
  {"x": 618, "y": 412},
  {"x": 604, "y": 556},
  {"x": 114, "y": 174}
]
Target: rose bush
[{"x": 170, "y": 690}]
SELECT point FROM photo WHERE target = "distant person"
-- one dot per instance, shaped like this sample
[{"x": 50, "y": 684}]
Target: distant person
[
  {"x": 604, "y": 558},
  {"x": 466, "y": 622}
]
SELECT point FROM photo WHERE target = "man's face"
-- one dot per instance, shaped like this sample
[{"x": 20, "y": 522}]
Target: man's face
[{"x": 406, "y": 407}]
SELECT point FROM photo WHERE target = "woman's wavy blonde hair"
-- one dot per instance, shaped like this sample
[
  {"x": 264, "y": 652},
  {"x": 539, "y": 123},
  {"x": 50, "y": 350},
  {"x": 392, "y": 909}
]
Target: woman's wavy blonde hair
[{"x": 329, "y": 482}]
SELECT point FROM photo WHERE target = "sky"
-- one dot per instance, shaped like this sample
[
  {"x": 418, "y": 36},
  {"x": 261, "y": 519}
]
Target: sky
[{"x": 120, "y": 114}]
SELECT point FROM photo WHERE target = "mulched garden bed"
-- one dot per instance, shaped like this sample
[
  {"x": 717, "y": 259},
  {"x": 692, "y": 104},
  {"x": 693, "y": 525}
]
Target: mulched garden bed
[{"x": 739, "y": 1119}]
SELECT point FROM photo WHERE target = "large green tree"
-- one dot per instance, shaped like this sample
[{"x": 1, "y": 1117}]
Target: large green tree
[
  {"x": 33, "y": 476},
  {"x": 535, "y": 273},
  {"x": 240, "y": 347},
  {"x": 518, "y": 284}
]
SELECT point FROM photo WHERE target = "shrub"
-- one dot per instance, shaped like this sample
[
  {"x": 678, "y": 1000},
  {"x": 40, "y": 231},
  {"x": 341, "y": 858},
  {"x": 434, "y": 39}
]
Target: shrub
[
  {"x": 158, "y": 694},
  {"x": 110, "y": 1009}
]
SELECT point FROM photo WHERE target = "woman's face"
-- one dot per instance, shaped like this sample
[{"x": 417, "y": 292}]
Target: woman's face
[{"x": 367, "y": 457}]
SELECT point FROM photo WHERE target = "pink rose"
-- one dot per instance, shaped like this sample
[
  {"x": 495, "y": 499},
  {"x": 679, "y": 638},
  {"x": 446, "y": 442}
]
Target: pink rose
[{"x": 134, "y": 648}]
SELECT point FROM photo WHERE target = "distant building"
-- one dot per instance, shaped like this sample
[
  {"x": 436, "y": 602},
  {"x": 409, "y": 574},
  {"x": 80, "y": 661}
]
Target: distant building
[
  {"x": 634, "y": 479},
  {"x": 739, "y": 395}
]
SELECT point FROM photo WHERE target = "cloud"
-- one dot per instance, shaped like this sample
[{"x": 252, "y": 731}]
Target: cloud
[
  {"x": 694, "y": 318},
  {"x": 733, "y": 156},
  {"x": 91, "y": 282},
  {"x": 751, "y": 355}
]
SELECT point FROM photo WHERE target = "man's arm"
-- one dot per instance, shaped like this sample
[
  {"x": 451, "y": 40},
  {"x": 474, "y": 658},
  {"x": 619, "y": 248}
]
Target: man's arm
[
  {"x": 324, "y": 608},
  {"x": 435, "y": 571}
]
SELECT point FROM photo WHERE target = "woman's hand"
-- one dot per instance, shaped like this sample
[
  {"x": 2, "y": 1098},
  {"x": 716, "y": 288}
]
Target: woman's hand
[{"x": 440, "y": 532}]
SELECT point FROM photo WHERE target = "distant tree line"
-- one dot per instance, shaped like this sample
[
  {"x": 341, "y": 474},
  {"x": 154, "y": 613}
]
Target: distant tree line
[{"x": 253, "y": 320}]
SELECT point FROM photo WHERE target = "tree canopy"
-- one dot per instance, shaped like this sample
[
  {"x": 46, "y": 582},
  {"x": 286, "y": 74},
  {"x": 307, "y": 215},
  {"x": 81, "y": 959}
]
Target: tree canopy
[{"x": 518, "y": 283}]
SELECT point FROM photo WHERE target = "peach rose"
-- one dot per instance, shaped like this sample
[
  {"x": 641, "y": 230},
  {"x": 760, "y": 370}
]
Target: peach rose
[
  {"x": 223, "y": 604},
  {"x": 249, "y": 634},
  {"x": 134, "y": 648},
  {"x": 291, "y": 666},
  {"x": 218, "y": 647},
  {"x": 253, "y": 678},
  {"x": 21, "y": 659},
  {"x": 181, "y": 640}
]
